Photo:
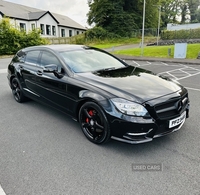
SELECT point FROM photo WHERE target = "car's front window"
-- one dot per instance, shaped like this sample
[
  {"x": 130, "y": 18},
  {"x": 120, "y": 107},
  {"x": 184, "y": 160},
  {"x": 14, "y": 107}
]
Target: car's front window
[
  {"x": 32, "y": 57},
  {"x": 90, "y": 60}
]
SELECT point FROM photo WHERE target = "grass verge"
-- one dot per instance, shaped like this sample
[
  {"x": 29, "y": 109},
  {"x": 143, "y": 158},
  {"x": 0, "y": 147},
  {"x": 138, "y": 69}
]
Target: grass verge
[
  {"x": 161, "y": 51},
  {"x": 118, "y": 42}
]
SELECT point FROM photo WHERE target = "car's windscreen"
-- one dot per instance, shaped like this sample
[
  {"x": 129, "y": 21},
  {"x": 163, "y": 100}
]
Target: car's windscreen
[{"x": 90, "y": 60}]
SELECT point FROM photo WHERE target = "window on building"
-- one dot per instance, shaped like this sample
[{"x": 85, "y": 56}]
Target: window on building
[
  {"x": 42, "y": 29},
  {"x": 33, "y": 26},
  {"x": 62, "y": 32},
  {"x": 77, "y": 32},
  {"x": 48, "y": 29},
  {"x": 22, "y": 26},
  {"x": 54, "y": 30},
  {"x": 70, "y": 33}
]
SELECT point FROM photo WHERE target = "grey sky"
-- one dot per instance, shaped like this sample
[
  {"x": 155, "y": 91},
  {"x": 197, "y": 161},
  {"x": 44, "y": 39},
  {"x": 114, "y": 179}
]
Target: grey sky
[{"x": 75, "y": 9}]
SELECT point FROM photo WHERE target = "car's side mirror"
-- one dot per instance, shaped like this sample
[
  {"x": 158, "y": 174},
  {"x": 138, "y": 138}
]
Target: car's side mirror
[{"x": 52, "y": 68}]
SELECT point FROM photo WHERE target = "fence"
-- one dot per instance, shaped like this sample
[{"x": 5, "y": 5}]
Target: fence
[
  {"x": 148, "y": 32},
  {"x": 60, "y": 40}
]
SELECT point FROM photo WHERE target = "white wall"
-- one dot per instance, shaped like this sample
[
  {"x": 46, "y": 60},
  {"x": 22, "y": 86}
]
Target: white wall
[
  {"x": 74, "y": 31},
  {"x": 48, "y": 20},
  {"x": 172, "y": 27}
]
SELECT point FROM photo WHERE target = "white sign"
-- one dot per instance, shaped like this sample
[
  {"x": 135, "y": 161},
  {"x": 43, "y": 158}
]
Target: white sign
[{"x": 180, "y": 50}]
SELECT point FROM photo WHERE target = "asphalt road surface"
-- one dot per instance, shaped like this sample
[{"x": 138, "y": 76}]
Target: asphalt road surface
[{"x": 42, "y": 151}]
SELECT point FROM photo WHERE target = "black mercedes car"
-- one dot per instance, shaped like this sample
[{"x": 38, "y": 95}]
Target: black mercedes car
[{"x": 109, "y": 98}]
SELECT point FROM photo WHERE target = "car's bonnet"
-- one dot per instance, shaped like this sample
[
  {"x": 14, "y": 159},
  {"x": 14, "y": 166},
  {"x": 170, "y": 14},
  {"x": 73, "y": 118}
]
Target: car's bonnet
[{"x": 129, "y": 82}]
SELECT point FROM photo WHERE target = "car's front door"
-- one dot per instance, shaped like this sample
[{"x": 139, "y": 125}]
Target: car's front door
[{"x": 51, "y": 87}]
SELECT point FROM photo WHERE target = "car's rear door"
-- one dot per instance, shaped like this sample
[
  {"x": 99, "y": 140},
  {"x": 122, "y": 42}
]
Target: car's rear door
[{"x": 27, "y": 69}]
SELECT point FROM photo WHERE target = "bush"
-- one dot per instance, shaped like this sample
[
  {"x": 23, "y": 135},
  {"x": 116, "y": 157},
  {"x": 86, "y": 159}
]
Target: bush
[
  {"x": 78, "y": 39},
  {"x": 12, "y": 39},
  {"x": 99, "y": 33}
]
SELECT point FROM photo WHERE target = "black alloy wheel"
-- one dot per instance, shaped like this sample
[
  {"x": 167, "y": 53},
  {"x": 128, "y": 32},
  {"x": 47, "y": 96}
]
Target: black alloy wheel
[
  {"x": 17, "y": 92},
  {"x": 94, "y": 123}
]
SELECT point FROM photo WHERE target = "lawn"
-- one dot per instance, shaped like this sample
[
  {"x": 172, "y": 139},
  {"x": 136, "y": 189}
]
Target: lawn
[
  {"x": 121, "y": 41},
  {"x": 161, "y": 51}
]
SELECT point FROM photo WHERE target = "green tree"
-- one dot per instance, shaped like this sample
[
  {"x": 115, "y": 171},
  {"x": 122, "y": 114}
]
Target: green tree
[
  {"x": 170, "y": 10},
  {"x": 122, "y": 16},
  {"x": 193, "y": 6},
  {"x": 198, "y": 15},
  {"x": 188, "y": 9}
]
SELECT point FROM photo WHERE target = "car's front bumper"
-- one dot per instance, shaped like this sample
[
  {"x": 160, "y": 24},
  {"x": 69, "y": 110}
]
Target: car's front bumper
[{"x": 143, "y": 131}]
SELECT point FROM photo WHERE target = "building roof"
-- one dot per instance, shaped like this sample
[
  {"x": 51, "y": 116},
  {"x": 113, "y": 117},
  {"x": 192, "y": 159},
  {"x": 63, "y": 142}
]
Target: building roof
[{"x": 18, "y": 11}]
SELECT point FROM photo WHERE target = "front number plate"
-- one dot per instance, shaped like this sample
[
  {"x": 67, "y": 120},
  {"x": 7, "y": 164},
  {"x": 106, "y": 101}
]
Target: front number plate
[{"x": 177, "y": 121}]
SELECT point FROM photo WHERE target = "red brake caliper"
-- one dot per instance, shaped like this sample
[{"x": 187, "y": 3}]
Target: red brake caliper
[{"x": 91, "y": 114}]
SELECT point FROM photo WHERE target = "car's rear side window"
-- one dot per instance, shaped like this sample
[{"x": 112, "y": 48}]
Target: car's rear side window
[
  {"x": 19, "y": 57},
  {"x": 32, "y": 57}
]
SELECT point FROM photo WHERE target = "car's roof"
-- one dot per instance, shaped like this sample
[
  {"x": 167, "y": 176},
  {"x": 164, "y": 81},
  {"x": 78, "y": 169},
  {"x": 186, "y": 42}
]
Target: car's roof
[{"x": 61, "y": 47}]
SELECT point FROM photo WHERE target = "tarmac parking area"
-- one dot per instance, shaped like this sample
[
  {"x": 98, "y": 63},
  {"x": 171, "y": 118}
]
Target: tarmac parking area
[
  {"x": 188, "y": 75},
  {"x": 44, "y": 152}
]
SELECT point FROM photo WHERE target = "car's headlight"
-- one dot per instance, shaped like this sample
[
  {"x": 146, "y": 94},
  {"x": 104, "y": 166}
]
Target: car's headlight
[{"x": 129, "y": 108}]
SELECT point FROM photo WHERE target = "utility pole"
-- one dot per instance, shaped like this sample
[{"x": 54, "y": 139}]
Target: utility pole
[
  {"x": 159, "y": 16},
  {"x": 143, "y": 24}
]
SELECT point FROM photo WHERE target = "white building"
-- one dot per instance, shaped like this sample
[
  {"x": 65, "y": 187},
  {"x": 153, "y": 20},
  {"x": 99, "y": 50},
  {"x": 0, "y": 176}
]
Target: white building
[
  {"x": 173, "y": 27},
  {"x": 28, "y": 18}
]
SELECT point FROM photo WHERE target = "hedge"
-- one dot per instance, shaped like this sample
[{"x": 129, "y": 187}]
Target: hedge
[
  {"x": 12, "y": 39},
  {"x": 181, "y": 34}
]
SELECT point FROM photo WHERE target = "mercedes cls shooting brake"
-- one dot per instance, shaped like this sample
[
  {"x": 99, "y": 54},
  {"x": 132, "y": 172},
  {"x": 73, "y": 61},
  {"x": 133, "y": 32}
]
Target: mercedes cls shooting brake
[{"x": 109, "y": 98}]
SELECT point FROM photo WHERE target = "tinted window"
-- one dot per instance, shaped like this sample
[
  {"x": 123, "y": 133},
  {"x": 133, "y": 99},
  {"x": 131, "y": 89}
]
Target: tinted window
[
  {"x": 90, "y": 60},
  {"x": 42, "y": 28},
  {"x": 22, "y": 26},
  {"x": 62, "y": 32},
  {"x": 19, "y": 57},
  {"x": 32, "y": 57},
  {"x": 48, "y": 29},
  {"x": 54, "y": 30},
  {"x": 48, "y": 58},
  {"x": 70, "y": 33}
]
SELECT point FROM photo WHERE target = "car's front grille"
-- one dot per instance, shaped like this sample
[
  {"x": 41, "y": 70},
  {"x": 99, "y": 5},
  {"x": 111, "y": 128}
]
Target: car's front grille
[{"x": 172, "y": 108}]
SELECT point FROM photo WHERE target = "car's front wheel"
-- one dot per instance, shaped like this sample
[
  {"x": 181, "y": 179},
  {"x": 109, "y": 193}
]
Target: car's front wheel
[
  {"x": 16, "y": 91},
  {"x": 94, "y": 123}
]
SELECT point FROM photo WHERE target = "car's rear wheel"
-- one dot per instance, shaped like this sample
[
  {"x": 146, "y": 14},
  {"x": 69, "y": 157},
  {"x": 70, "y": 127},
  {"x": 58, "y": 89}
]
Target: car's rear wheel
[
  {"x": 16, "y": 90},
  {"x": 94, "y": 123}
]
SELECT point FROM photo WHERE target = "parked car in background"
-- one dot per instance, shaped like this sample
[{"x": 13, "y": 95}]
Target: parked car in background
[{"x": 109, "y": 98}]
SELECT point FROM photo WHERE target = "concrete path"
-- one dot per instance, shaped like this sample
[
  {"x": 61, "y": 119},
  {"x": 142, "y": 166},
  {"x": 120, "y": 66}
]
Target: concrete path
[{"x": 122, "y": 47}]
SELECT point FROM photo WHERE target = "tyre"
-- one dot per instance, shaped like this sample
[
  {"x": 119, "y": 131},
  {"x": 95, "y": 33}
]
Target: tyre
[
  {"x": 16, "y": 91},
  {"x": 94, "y": 123}
]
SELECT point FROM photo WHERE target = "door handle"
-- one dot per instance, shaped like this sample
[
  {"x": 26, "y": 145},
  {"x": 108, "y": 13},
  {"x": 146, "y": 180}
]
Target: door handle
[
  {"x": 21, "y": 67},
  {"x": 39, "y": 72}
]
